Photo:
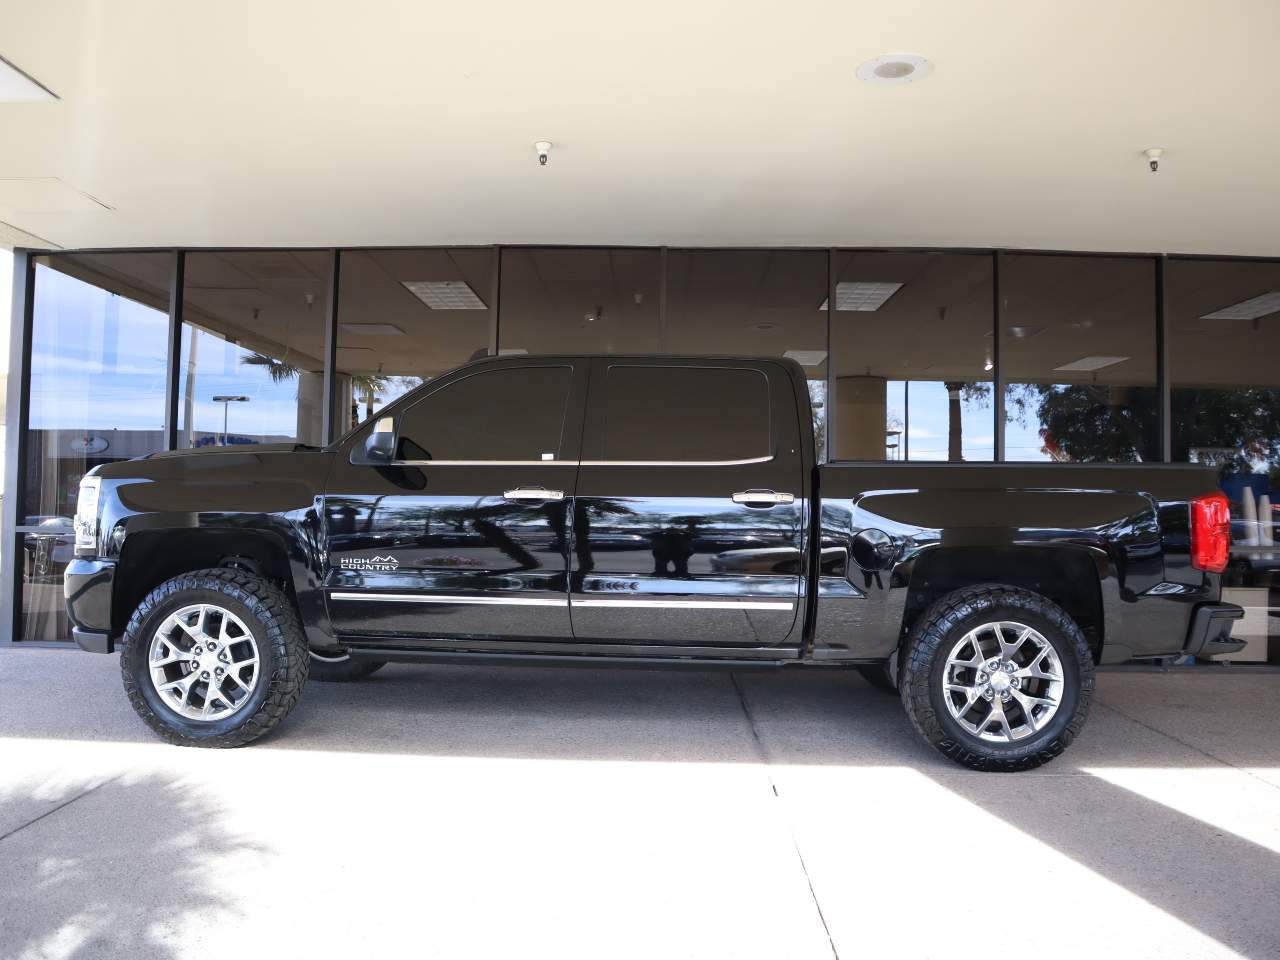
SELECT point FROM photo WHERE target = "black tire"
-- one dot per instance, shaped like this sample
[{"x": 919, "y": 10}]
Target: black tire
[
  {"x": 943, "y": 625},
  {"x": 877, "y": 674},
  {"x": 282, "y": 654},
  {"x": 345, "y": 670}
]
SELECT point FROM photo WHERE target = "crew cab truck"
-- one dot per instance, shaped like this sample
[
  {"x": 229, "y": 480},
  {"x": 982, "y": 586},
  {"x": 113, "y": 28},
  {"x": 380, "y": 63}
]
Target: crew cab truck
[{"x": 639, "y": 510}]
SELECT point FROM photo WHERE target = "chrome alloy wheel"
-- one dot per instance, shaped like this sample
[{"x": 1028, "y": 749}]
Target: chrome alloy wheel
[
  {"x": 203, "y": 662},
  {"x": 1003, "y": 681}
]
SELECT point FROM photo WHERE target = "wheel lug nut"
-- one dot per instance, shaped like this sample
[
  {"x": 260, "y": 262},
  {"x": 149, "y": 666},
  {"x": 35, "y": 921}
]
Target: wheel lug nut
[
  {"x": 204, "y": 675},
  {"x": 222, "y": 657},
  {"x": 195, "y": 664},
  {"x": 982, "y": 677},
  {"x": 219, "y": 671},
  {"x": 197, "y": 651}
]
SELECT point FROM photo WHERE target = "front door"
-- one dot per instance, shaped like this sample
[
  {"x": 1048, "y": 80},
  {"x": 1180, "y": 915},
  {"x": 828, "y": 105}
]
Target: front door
[
  {"x": 464, "y": 534},
  {"x": 690, "y": 514}
]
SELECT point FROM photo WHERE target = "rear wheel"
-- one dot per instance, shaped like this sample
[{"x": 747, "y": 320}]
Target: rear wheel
[
  {"x": 342, "y": 668},
  {"x": 214, "y": 658},
  {"x": 997, "y": 678}
]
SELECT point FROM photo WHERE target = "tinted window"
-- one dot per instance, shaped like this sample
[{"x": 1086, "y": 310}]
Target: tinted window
[
  {"x": 252, "y": 363},
  {"x": 513, "y": 414},
  {"x": 686, "y": 413},
  {"x": 581, "y": 300},
  {"x": 1078, "y": 349},
  {"x": 1224, "y": 340},
  {"x": 766, "y": 303},
  {"x": 405, "y": 317},
  {"x": 98, "y": 344},
  {"x": 911, "y": 339}
]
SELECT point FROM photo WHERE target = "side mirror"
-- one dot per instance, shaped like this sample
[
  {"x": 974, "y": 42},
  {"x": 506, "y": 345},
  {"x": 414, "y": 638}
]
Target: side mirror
[{"x": 380, "y": 444}]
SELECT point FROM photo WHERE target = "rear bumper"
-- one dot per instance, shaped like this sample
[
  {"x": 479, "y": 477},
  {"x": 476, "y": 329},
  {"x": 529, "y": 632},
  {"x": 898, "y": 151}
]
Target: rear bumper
[
  {"x": 87, "y": 586},
  {"x": 1210, "y": 631}
]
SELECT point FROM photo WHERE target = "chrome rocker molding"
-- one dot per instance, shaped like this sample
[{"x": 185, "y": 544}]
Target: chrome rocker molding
[
  {"x": 537, "y": 602},
  {"x": 427, "y": 598},
  {"x": 691, "y": 604}
]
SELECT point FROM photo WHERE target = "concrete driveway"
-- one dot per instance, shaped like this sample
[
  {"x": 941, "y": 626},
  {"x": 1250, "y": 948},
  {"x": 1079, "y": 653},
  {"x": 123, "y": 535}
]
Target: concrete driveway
[{"x": 514, "y": 812}]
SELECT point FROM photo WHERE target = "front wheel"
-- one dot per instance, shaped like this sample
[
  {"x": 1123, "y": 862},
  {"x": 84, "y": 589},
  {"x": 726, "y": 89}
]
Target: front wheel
[
  {"x": 214, "y": 658},
  {"x": 997, "y": 678}
]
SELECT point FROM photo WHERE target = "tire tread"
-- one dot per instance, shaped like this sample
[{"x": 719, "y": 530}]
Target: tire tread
[
  {"x": 935, "y": 627},
  {"x": 290, "y": 662}
]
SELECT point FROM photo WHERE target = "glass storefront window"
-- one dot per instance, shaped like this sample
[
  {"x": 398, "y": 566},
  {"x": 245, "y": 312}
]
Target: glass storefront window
[
  {"x": 98, "y": 355},
  {"x": 404, "y": 317},
  {"x": 1224, "y": 340},
  {"x": 1078, "y": 352},
  {"x": 752, "y": 303},
  {"x": 253, "y": 332},
  {"x": 580, "y": 300},
  {"x": 911, "y": 335}
]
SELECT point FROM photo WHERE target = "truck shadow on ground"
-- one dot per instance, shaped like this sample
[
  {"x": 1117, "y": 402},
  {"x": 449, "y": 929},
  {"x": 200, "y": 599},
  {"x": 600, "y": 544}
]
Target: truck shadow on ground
[{"x": 121, "y": 868}]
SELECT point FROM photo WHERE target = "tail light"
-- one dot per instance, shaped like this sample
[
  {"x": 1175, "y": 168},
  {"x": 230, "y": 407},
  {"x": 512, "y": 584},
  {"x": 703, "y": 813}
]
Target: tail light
[{"x": 1210, "y": 532}]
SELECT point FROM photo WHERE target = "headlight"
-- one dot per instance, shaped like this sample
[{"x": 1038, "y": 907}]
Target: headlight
[{"x": 86, "y": 521}]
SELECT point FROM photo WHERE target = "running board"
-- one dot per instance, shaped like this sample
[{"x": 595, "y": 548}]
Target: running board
[{"x": 394, "y": 655}]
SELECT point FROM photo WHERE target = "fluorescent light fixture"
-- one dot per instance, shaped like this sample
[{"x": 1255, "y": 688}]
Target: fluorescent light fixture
[
  {"x": 371, "y": 329},
  {"x": 807, "y": 358},
  {"x": 19, "y": 87},
  {"x": 1251, "y": 309},
  {"x": 445, "y": 294},
  {"x": 512, "y": 351},
  {"x": 863, "y": 296},
  {"x": 1089, "y": 364}
]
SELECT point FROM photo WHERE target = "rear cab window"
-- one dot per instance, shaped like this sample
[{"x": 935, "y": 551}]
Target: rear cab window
[{"x": 685, "y": 414}]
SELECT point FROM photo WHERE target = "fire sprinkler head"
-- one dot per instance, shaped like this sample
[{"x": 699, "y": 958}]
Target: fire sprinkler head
[
  {"x": 1153, "y": 157},
  {"x": 543, "y": 147}
]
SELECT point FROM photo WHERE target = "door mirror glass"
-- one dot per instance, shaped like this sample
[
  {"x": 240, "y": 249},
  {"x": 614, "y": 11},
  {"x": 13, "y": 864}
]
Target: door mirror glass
[{"x": 380, "y": 444}]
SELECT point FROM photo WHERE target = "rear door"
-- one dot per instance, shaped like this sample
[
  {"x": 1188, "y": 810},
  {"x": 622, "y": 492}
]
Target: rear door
[
  {"x": 689, "y": 520},
  {"x": 465, "y": 534}
]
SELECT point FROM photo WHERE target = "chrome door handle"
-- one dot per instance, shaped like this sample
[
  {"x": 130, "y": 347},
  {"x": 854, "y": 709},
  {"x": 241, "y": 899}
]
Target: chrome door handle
[
  {"x": 533, "y": 493},
  {"x": 763, "y": 498}
]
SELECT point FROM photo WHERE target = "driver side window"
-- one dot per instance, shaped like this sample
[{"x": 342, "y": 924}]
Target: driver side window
[{"x": 511, "y": 413}]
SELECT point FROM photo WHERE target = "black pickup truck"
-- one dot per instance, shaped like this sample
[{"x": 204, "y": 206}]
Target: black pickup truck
[{"x": 640, "y": 510}]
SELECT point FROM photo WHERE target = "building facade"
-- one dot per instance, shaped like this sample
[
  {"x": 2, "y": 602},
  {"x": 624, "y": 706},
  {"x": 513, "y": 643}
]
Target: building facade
[{"x": 921, "y": 355}]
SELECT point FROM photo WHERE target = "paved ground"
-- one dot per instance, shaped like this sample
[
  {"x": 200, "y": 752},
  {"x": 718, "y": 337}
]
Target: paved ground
[{"x": 513, "y": 812}]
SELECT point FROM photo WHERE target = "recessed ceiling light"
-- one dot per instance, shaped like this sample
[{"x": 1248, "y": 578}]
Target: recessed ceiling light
[
  {"x": 807, "y": 358},
  {"x": 371, "y": 329},
  {"x": 764, "y": 325},
  {"x": 895, "y": 68},
  {"x": 1251, "y": 309},
  {"x": 863, "y": 296},
  {"x": 445, "y": 294},
  {"x": 19, "y": 87},
  {"x": 1089, "y": 364}
]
